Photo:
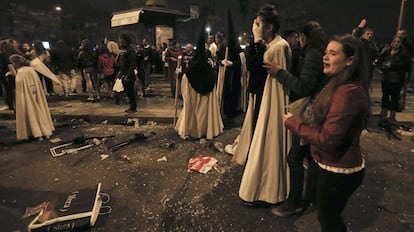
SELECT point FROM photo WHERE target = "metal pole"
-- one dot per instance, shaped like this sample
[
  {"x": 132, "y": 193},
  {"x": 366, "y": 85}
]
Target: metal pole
[{"x": 402, "y": 11}]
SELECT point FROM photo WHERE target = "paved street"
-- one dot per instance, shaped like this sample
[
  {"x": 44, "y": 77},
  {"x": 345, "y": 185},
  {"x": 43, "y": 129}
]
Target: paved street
[{"x": 148, "y": 181}]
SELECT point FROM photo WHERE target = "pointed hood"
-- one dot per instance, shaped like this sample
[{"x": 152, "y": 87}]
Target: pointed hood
[
  {"x": 200, "y": 74},
  {"x": 233, "y": 42}
]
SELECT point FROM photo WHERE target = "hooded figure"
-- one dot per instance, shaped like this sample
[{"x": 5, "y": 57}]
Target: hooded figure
[
  {"x": 200, "y": 116},
  {"x": 32, "y": 112},
  {"x": 232, "y": 84}
]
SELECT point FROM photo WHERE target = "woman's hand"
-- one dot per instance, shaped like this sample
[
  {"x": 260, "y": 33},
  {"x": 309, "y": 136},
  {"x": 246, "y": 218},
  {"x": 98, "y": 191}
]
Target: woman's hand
[
  {"x": 257, "y": 30},
  {"x": 271, "y": 68},
  {"x": 286, "y": 116}
]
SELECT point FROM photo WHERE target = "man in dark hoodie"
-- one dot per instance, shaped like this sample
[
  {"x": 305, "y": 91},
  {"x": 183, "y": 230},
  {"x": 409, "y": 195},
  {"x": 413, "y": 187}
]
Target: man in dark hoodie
[{"x": 63, "y": 60}]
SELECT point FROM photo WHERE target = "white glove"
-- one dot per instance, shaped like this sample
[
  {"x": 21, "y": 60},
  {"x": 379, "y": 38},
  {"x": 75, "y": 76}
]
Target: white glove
[
  {"x": 226, "y": 63},
  {"x": 178, "y": 70},
  {"x": 257, "y": 30}
]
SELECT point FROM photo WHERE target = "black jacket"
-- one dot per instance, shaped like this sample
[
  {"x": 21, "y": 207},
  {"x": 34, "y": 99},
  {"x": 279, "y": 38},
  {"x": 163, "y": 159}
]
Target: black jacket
[
  {"x": 258, "y": 74},
  {"x": 310, "y": 78}
]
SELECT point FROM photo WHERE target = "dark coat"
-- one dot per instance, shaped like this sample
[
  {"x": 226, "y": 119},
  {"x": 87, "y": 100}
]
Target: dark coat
[{"x": 310, "y": 75}]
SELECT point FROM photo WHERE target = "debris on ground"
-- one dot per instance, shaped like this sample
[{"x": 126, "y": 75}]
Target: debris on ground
[
  {"x": 218, "y": 146},
  {"x": 30, "y": 211},
  {"x": 170, "y": 145},
  {"x": 126, "y": 158},
  {"x": 104, "y": 156},
  {"x": 151, "y": 123},
  {"x": 55, "y": 140},
  {"x": 162, "y": 159},
  {"x": 137, "y": 137},
  {"x": 201, "y": 164}
]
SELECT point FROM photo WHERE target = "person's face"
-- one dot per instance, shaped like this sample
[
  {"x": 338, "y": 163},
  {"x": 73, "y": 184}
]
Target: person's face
[
  {"x": 396, "y": 43},
  {"x": 15, "y": 44},
  {"x": 302, "y": 40},
  {"x": 121, "y": 42},
  {"x": 145, "y": 42},
  {"x": 210, "y": 39},
  {"x": 266, "y": 29},
  {"x": 368, "y": 35},
  {"x": 26, "y": 47},
  {"x": 218, "y": 40},
  {"x": 177, "y": 46},
  {"x": 335, "y": 60}
]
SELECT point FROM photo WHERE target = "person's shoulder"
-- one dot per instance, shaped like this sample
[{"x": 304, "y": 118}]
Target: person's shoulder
[{"x": 351, "y": 88}]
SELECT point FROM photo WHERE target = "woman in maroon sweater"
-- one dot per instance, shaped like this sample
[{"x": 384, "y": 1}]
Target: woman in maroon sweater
[{"x": 339, "y": 114}]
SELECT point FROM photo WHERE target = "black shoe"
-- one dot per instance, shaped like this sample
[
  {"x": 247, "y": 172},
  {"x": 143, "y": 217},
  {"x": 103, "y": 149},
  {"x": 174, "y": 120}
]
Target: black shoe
[
  {"x": 256, "y": 204},
  {"x": 286, "y": 210},
  {"x": 130, "y": 111}
]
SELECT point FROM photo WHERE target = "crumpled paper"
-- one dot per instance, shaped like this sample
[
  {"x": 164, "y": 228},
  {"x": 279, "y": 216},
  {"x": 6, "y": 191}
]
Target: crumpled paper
[{"x": 201, "y": 164}]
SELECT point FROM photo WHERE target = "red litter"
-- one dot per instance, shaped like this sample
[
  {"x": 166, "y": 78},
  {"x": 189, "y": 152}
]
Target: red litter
[{"x": 201, "y": 164}]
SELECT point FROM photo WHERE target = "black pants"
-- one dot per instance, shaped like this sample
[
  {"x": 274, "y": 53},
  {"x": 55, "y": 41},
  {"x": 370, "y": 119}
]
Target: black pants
[
  {"x": 231, "y": 95},
  {"x": 390, "y": 90},
  {"x": 9, "y": 87},
  {"x": 297, "y": 154},
  {"x": 48, "y": 84},
  {"x": 332, "y": 193},
  {"x": 129, "y": 88}
]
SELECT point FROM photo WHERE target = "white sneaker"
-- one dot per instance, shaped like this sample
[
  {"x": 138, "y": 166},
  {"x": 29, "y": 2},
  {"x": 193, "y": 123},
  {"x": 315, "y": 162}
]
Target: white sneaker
[{"x": 229, "y": 149}]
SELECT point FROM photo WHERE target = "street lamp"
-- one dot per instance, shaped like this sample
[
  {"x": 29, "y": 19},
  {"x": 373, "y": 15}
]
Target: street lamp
[
  {"x": 58, "y": 8},
  {"x": 208, "y": 29}
]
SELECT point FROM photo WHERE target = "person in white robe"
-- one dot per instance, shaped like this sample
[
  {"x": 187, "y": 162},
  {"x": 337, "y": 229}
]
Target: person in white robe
[
  {"x": 33, "y": 117},
  {"x": 266, "y": 174},
  {"x": 200, "y": 116}
]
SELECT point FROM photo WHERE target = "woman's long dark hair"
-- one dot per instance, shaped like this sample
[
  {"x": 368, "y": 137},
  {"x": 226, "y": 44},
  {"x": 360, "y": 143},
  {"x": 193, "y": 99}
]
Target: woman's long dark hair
[{"x": 356, "y": 72}]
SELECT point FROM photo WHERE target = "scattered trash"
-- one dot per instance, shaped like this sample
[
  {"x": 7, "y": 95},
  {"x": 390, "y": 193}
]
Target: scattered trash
[
  {"x": 30, "y": 211},
  {"x": 170, "y": 145},
  {"x": 162, "y": 159},
  {"x": 218, "y": 146},
  {"x": 126, "y": 158},
  {"x": 151, "y": 123},
  {"x": 55, "y": 140},
  {"x": 201, "y": 164},
  {"x": 86, "y": 141},
  {"x": 105, "y": 122},
  {"x": 104, "y": 156},
  {"x": 405, "y": 133},
  {"x": 203, "y": 141},
  {"x": 219, "y": 170},
  {"x": 136, "y": 123},
  {"x": 56, "y": 153},
  {"x": 68, "y": 105},
  {"x": 138, "y": 137},
  {"x": 412, "y": 150}
]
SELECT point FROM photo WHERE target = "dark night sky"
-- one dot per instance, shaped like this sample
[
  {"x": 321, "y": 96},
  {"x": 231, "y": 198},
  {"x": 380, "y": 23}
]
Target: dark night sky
[{"x": 336, "y": 16}]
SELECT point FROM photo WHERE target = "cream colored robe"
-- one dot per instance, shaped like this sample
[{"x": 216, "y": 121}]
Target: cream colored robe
[
  {"x": 200, "y": 116},
  {"x": 266, "y": 174},
  {"x": 32, "y": 112}
]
